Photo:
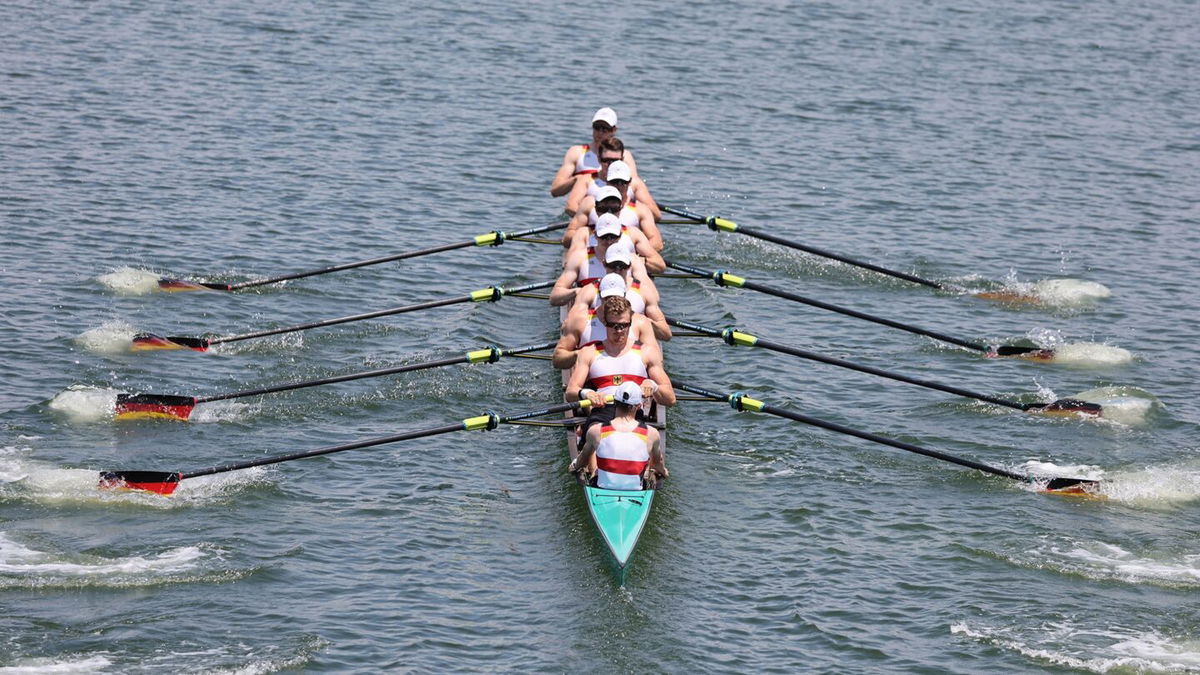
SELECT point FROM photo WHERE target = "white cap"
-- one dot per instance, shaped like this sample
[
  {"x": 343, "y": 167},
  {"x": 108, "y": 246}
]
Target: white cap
[
  {"x": 629, "y": 393},
  {"x": 621, "y": 251},
  {"x": 607, "y": 224},
  {"x": 612, "y": 284},
  {"x": 619, "y": 170},
  {"x": 606, "y": 115},
  {"x": 607, "y": 192}
]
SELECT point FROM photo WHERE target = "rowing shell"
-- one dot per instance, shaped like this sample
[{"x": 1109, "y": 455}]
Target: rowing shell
[{"x": 620, "y": 515}]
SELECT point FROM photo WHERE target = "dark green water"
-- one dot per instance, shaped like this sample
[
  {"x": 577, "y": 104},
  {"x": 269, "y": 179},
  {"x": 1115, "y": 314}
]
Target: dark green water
[{"x": 980, "y": 144}]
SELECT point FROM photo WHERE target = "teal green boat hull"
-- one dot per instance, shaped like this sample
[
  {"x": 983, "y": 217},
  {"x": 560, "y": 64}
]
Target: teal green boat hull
[{"x": 620, "y": 517}]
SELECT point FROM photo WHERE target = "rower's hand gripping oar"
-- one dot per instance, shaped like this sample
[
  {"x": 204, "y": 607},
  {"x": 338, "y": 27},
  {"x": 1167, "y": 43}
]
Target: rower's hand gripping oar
[
  {"x": 144, "y": 406},
  {"x": 723, "y": 225},
  {"x": 493, "y": 238},
  {"x": 741, "y": 402},
  {"x": 733, "y": 337},
  {"x": 149, "y": 341},
  {"x": 723, "y": 278},
  {"x": 165, "y": 482}
]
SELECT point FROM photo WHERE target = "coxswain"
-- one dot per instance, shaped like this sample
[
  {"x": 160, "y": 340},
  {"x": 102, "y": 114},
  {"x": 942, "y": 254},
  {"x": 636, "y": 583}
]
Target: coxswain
[
  {"x": 610, "y": 200},
  {"x": 604, "y": 125},
  {"x": 628, "y": 454},
  {"x": 589, "y": 183},
  {"x": 600, "y": 369},
  {"x": 639, "y": 289},
  {"x": 583, "y": 265},
  {"x": 583, "y": 328}
]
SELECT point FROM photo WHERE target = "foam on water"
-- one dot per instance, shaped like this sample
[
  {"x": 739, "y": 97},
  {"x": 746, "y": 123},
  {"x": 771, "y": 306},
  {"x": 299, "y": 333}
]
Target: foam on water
[
  {"x": 1068, "y": 292},
  {"x": 1130, "y": 406},
  {"x": 65, "y": 664},
  {"x": 1103, "y": 561},
  {"x": 1155, "y": 487},
  {"x": 112, "y": 337},
  {"x": 130, "y": 281},
  {"x": 23, "y": 567},
  {"x": 1097, "y": 650},
  {"x": 1091, "y": 354},
  {"x": 223, "y": 411},
  {"x": 81, "y": 403}
]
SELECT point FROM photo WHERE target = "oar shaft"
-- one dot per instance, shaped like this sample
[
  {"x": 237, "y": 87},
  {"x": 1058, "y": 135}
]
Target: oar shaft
[
  {"x": 725, "y": 279},
  {"x": 492, "y": 294},
  {"x": 482, "y": 355},
  {"x": 482, "y": 422},
  {"x": 494, "y": 238},
  {"x": 729, "y": 226},
  {"x": 759, "y": 406},
  {"x": 734, "y": 337}
]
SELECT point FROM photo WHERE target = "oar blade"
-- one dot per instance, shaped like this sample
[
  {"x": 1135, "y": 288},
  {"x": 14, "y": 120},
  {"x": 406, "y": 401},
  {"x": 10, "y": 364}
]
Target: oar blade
[
  {"x": 159, "y": 482},
  {"x": 153, "y": 406},
  {"x": 1070, "y": 406},
  {"x": 143, "y": 342},
  {"x": 1011, "y": 297},
  {"x": 1031, "y": 353},
  {"x": 178, "y": 285},
  {"x": 1074, "y": 487}
]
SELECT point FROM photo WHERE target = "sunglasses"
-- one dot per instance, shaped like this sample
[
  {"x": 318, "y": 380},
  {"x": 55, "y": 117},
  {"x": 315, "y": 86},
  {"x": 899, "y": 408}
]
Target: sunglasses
[
  {"x": 618, "y": 183},
  {"x": 601, "y": 126},
  {"x": 618, "y": 265},
  {"x": 618, "y": 326},
  {"x": 609, "y": 160},
  {"x": 610, "y": 238}
]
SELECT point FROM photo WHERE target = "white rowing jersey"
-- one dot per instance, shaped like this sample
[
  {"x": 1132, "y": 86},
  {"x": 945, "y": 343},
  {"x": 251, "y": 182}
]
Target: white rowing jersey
[
  {"x": 608, "y": 372},
  {"x": 622, "y": 457},
  {"x": 633, "y": 293},
  {"x": 588, "y": 162},
  {"x": 628, "y": 217}
]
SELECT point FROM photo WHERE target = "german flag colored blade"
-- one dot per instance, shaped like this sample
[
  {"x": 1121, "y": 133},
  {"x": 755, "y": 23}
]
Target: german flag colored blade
[
  {"x": 149, "y": 341},
  {"x": 161, "y": 482},
  {"x": 1068, "y": 406},
  {"x": 177, "y": 285},
  {"x": 1074, "y": 487},
  {"x": 154, "y": 406}
]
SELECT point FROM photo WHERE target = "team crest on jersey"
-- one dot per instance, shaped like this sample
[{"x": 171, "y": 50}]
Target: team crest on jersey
[{"x": 617, "y": 379}]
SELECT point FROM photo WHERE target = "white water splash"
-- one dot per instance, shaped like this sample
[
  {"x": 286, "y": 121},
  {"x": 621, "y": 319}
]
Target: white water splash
[
  {"x": 1069, "y": 292},
  {"x": 65, "y": 665},
  {"x": 84, "y": 404},
  {"x": 23, "y": 567},
  {"x": 223, "y": 411},
  {"x": 1108, "y": 562},
  {"x": 1154, "y": 487},
  {"x": 1129, "y": 406},
  {"x": 1091, "y": 354},
  {"x": 112, "y": 337},
  {"x": 1096, "y": 650},
  {"x": 130, "y": 281}
]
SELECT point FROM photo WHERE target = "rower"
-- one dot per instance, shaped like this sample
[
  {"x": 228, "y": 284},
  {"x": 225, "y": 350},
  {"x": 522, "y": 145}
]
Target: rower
[
  {"x": 604, "y": 125},
  {"x": 637, "y": 286},
  {"x": 583, "y": 328},
  {"x": 627, "y": 452},
  {"x": 589, "y": 183},
  {"x": 599, "y": 370},
  {"x": 638, "y": 224},
  {"x": 583, "y": 265}
]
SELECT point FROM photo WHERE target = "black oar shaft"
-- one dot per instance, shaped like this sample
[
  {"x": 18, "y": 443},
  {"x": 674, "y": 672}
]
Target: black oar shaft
[
  {"x": 494, "y": 238},
  {"x": 723, "y": 278},
  {"x": 729, "y": 226},
  {"x": 733, "y": 337},
  {"x": 488, "y": 294},
  {"x": 483, "y": 355},
  {"x": 744, "y": 403},
  {"x": 487, "y": 421}
]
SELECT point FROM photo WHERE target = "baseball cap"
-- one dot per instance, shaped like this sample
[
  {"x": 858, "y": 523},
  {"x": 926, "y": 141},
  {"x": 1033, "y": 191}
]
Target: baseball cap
[
  {"x": 612, "y": 284},
  {"x": 619, "y": 170},
  {"x": 608, "y": 224},
  {"x": 606, "y": 115},
  {"x": 629, "y": 393}
]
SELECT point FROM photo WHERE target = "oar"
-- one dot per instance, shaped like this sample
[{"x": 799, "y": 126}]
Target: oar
[
  {"x": 723, "y": 225},
  {"x": 722, "y": 278},
  {"x": 741, "y": 402},
  {"x": 494, "y": 238},
  {"x": 148, "y": 341},
  {"x": 165, "y": 482},
  {"x": 143, "y": 406},
  {"x": 732, "y": 337}
]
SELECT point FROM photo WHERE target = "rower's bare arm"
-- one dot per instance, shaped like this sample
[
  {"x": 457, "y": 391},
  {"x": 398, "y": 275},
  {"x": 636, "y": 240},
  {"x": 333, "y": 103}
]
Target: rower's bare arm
[
  {"x": 565, "y": 178},
  {"x": 650, "y": 228},
  {"x": 646, "y": 334},
  {"x": 644, "y": 197},
  {"x": 577, "y": 195},
  {"x": 632, "y": 164},
  {"x": 590, "y": 442},
  {"x": 662, "y": 329},
  {"x": 578, "y": 378},
  {"x": 564, "y": 288},
  {"x": 564, "y": 351},
  {"x": 665, "y": 394},
  {"x": 578, "y": 222},
  {"x": 651, "y": 258},
  {"x": 658, "y": 459}
]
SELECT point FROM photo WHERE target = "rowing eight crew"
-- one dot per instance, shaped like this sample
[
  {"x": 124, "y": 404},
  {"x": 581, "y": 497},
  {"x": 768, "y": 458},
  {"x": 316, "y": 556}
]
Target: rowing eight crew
[
  {"x": 612, "y": 328},
  {"x": 581, "y": 164}
]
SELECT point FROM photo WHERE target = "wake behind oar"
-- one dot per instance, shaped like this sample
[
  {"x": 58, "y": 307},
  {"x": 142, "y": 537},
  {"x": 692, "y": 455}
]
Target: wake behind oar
[
  {"x": 493, "y": 238},
  {"x": 160, "y": 406},
  {"x": 1050, "y": 484},
  {"x": 165, "y": 482},
  {"x": 149, "y": 341}
]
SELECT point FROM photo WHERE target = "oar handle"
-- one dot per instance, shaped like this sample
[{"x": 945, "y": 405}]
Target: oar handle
[
  {"x": 721, "y": 224},
  {"x": 742, "y": 402},
  {"x": 722, "y": 278}
]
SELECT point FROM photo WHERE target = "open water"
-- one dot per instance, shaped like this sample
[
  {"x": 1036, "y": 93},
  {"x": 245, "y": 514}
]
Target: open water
[{"x": 1050, "y": 147}]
